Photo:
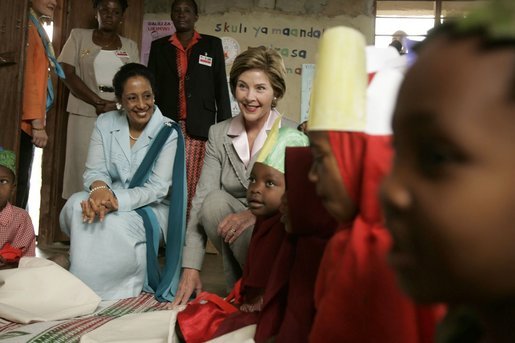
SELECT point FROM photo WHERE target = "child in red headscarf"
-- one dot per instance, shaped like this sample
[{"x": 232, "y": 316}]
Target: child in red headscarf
[
  {"x": 266, "y": 188},
  {"x": 357, "y": 297},
  {"x": 289, "y": 306}
]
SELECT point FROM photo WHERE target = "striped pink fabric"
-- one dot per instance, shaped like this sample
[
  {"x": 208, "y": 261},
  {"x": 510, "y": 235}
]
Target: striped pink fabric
[
  {"x": 70, "y": 331},
  {"x": 195, "y": 151}
]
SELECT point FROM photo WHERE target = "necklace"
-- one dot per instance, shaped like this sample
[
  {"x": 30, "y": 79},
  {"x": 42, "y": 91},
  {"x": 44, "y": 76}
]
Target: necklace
[
  {"x": 113, "y": 42},
  {"x": 134, "y": 139}
]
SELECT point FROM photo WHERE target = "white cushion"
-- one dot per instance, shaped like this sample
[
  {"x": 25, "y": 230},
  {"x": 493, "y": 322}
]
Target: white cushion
[{"x": 40, "y": 290}]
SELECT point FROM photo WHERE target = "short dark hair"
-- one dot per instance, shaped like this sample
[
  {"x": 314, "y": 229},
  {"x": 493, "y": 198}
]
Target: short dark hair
[
  {"x": 491, "y": 25},
  {"x": 192, "y": 2},
  {"x": 131, "y": 70},
  {"x": 487, "y": 42},
  {"x": 454, "y": 30},
  {"x": 123, "y": 4}
]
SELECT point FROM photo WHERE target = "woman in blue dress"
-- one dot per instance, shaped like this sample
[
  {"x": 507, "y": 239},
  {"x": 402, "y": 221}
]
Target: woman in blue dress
[{"x": 107, "y": 235}]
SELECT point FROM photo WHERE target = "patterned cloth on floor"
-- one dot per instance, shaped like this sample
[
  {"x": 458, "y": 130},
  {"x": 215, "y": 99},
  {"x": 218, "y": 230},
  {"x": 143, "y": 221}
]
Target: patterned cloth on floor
[{"x": 71, "y": 330}]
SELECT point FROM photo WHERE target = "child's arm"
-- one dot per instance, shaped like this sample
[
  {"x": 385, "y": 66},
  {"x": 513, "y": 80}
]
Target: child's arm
[
  {"x": 252, "y": 299},
  {"x": 255, "y": 305},
  {"x": 24, "y": 239}
]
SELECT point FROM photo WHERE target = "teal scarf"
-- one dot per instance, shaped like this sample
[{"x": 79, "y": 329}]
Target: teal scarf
[
  {"x": 164, "y": 283},
  {"x": 51, "y": 58}
]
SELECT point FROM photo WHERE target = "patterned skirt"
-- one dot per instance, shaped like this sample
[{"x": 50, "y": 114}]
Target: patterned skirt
[{"x": 195, "y": 151}]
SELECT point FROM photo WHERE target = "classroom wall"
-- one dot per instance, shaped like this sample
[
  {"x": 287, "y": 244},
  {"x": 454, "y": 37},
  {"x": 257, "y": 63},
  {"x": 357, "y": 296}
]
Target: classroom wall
[{"x": 292, "y": 27}]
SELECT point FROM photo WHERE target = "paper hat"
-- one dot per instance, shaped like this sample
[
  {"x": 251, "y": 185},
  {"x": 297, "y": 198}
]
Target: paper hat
[
  {"x": 8, "y": 159},
  {"x": 386, "y": 69},
  {"x": 273, "y": 151},
  {"x": 339, "y": 87}
]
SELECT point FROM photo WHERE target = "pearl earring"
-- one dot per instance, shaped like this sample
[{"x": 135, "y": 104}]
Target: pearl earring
[{"x": 118, "y": 106}]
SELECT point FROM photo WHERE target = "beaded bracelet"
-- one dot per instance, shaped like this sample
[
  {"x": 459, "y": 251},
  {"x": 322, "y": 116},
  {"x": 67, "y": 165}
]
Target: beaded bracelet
[{"x": 99, "y": 187}]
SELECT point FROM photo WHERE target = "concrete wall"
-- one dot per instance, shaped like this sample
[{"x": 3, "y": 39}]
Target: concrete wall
[
  {"x": 300, "y": 7},
  {"x": 292, "y": 27}
]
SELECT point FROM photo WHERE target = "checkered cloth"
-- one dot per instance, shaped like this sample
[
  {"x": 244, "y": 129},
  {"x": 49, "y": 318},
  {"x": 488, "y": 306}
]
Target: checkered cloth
[{"x": 16, "y": 228}]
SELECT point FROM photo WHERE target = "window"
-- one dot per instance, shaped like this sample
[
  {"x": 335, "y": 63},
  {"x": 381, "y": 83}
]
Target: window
[{"x": 415, "y": 18}]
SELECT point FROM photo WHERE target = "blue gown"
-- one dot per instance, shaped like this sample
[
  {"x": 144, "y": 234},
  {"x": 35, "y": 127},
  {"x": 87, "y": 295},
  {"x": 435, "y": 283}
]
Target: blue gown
[{"x": 110, "y": 256}]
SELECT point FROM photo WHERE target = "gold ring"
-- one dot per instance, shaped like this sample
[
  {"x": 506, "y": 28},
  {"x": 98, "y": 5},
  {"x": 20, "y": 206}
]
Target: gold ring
[{"x": 233, "y": 231}]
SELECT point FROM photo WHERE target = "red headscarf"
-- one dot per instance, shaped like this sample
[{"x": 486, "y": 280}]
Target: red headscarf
[
  {"x": 288, "y": 302},
  {"x": 357, "y": 296}
]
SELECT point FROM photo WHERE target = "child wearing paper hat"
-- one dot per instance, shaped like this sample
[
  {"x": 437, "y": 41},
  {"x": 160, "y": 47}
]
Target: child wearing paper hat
[
  {"x": 289, "y": 307},
  {"x": 266, "y": 188},
  {"x": 17, "y": 237},
  {"x": 357, "y": 296}
]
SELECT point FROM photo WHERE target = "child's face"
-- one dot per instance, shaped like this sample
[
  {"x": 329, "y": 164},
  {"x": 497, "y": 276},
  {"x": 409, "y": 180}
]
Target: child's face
[
  {"x": 266, "y": 188},
  {"x": 6, "y": 186},
  {"x": 450, "y": 198},
  {"x": 324, "y": 173}
]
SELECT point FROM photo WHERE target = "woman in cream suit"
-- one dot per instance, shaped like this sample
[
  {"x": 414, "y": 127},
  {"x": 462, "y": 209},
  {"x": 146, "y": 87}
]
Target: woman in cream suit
[
  {"x": 219, "y": 208},
  {"x": 90, "y": 58}
]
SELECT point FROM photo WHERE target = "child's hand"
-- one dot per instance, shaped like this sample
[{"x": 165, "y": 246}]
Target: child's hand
[{"x": 255, "y": 306}]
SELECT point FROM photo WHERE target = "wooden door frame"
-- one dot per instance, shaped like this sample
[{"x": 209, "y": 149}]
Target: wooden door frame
[
  {"x": 70, "y": 14},
  {"x": 13, "y": 37},
  {"x": 53, "y": 161}
]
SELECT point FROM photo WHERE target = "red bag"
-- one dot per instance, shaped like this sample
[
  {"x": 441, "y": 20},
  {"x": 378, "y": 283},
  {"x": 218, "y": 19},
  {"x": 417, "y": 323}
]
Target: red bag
[{"x": 201, "y": 318}]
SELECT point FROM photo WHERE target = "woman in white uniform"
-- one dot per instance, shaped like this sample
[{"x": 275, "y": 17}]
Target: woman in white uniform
[{"x": 90, "y": 58}]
